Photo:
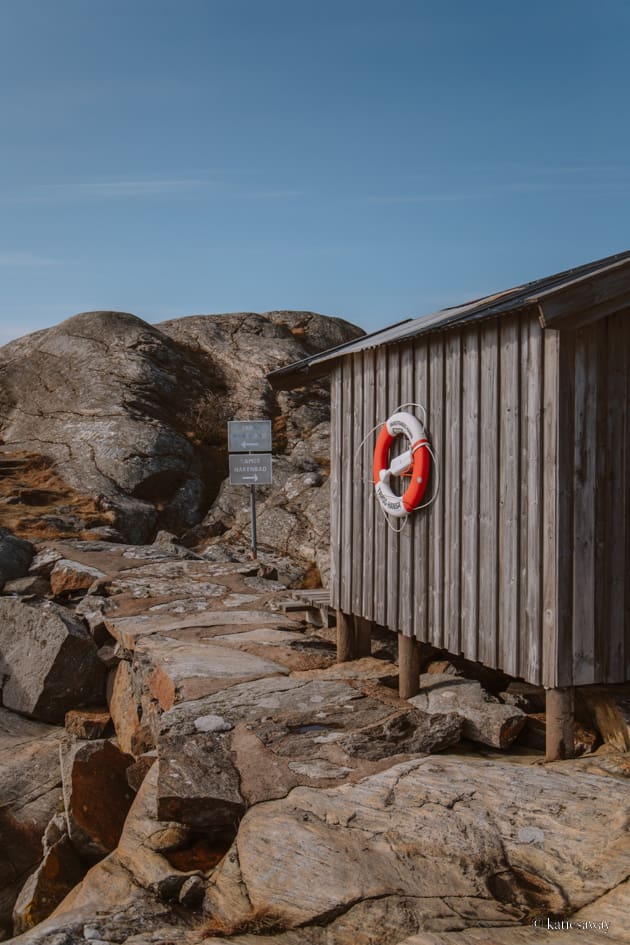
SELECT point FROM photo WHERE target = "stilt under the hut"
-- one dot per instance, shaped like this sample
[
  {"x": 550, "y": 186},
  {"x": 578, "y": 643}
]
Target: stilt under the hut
[
  {"x": 345, "y": 637},
  {"x": 560, "y": 723},
  {"x": 354, "y": 637},
  {"x": 362, "y": 636},
  {"x": 408, "y": 667}
]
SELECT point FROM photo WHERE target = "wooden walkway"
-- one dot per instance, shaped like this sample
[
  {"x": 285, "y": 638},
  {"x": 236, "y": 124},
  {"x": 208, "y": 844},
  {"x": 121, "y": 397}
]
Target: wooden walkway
[{"x": 315, "y": 602}]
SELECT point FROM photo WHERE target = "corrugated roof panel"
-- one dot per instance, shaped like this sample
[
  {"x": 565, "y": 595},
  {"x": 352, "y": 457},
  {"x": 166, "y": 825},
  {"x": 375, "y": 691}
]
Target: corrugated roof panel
[{"x": 487, "y": 307}]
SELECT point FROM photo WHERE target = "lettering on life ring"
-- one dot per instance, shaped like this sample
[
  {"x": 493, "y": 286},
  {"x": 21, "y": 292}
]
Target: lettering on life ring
[{"x": 414, "y": 462}]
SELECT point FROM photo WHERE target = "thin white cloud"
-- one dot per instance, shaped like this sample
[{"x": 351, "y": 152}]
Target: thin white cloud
[
  {"x": 127, "y": 188},
  {"x": 106, "y": 189},
  {"x": 131, "y": 188},
  {"x": 601, "y": 186},
  {"x": 437, "y": 197},
  {"x": 271, "y": 194},
  {"x": 11, "y": 259}
]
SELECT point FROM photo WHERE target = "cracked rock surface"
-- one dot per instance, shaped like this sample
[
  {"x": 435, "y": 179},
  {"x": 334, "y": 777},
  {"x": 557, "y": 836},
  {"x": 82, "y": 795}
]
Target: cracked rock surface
[
  {"x": 30, "y": 795},
  {"x": 280, "y": 798},
  {"x": 430, "y": 844},
  {"x": 134, "y": 416}
]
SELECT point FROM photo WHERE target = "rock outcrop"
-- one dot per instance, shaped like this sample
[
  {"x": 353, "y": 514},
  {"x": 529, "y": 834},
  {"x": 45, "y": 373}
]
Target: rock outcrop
[
  {"x": 58, "y": 873},
  {"x": 436, "y": 844},
  {"x": 48, "y": 661},
  {"x": 133, "y": 417},
  {"x": 242, "y": 787},
  {"x": 30, "y": 796},
  {"x": 255, "y": 741},
  {"x": 15, "y": 556},
  {"x": 96, "y": 795}
]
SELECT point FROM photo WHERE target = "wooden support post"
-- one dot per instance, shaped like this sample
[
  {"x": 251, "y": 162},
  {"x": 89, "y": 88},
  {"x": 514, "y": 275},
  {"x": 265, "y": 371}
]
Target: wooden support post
[
  {"x": 363, "y": 636},
  {"x": 560, "y": 721},
  {"x": 346, "y": 646},
  {"x": 408, "y": 667}
]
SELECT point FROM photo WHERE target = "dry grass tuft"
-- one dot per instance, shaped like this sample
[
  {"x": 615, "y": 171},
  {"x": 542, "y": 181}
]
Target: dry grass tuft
[
  {"x": 312, "y": 579},
  {"x": 31, "y": 489},
  {"x": 260, "y": 922}
]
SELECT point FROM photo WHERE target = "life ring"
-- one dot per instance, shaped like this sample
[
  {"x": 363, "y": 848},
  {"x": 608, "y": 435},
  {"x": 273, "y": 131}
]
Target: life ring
[{"x": 414, "y": 462}]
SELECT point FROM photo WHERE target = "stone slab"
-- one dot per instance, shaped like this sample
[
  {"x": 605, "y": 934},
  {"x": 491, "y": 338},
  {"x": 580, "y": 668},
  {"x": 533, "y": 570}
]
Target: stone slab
[
  {"x": 177, "y": 671},
  {"x": 127, "y": 630},
  {"x": 435, "y": 844}
]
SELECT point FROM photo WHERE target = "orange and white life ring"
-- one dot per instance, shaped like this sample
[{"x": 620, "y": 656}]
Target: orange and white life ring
[{"x": 414, "y": 462}]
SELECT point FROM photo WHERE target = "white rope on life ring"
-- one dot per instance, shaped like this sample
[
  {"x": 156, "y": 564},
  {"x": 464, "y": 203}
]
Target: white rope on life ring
[{"x": 414, "y": 462}]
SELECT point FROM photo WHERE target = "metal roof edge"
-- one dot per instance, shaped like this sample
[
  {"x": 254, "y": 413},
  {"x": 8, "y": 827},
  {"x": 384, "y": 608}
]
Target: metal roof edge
[
  {"x": 518, "y": 298},
  {"x": 331, "y": 352}
]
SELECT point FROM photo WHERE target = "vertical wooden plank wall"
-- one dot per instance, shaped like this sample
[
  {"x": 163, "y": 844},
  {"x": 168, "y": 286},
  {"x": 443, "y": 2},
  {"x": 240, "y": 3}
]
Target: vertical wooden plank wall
[
  {"x": 614, "y": 647},
  {"x": 419, "y": 625},
  {"x": 511, "y": 417},
  {"x": 531, "y": 532},
  {"x": 336, "y": 504},
  {"x": 584, "y": 512},
  {"x": 393, "y": 535},
  {"x": 406, "y": 564},
  {"x": 452, "y": 472},
  {"x": 523, "y": 561},
  {"x": 358, "y": 425},
  {"x": 347, "y": 484},
  {"x": 364, "y": 469},
  {"x": 557, "y": 409},
  {"x": 594, "y": 546},
  {"x": 471, "y": 459},
  {"x": 384, "y": 404},
  {"x": 488, "y": 492},
  {"x": 435, "y": 515}
]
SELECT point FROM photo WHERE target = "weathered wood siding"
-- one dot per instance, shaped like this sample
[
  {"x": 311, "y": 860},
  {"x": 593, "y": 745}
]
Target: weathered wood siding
[
  {"x": 593, "y": 540},
  {"x": 523, "y": 561}
]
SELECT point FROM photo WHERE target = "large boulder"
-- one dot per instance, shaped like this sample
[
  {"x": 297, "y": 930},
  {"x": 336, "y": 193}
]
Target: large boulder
[
  {"x": 48, "y": 660},
  {"x": 133, "y": 892},
  {"x": 486, "y": 720},
  {"x": 133, "y": 416},
  {"x": 60, "y": 870},
  {"x": 435, "y": 844},
  {"x": 30, "y": 795},
  {"x": 96, "y": 794},
  {"x": 70, "y": 577},
  {"x": 15, "y": 556}
]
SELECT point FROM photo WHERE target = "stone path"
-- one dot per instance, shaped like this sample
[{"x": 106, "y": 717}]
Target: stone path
[{"x": 274, "y": 789}]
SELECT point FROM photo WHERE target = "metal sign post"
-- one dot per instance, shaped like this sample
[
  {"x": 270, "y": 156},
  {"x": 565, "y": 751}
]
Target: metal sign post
[
  {"x": 252, "y": 496},
  {"x": 249, "y": 443}
]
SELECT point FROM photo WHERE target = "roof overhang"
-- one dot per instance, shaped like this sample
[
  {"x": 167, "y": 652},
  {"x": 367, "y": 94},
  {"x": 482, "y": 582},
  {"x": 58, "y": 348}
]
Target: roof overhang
[
  {"x": 566, "y": 301},
  {"x": 586, "y": 300}
]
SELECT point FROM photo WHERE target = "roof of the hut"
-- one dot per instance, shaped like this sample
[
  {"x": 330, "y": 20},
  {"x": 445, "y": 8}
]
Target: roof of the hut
[{"x": 567, "y": 299}]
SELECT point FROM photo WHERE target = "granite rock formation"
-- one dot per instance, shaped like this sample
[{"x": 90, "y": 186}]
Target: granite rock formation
[{"x": 132, "y": 417}]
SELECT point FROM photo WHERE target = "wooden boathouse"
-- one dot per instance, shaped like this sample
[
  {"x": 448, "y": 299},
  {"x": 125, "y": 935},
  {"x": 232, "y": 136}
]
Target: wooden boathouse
[{"x": 522, "y": 562}]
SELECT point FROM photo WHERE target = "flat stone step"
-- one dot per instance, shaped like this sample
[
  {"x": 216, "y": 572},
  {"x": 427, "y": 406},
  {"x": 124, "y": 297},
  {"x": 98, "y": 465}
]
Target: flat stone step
[{"x": 318, "y": 597}]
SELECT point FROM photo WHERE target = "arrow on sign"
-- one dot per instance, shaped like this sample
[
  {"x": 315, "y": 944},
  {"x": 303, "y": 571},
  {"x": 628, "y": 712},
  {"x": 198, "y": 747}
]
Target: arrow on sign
[
  {"x": 249, "y": 444},
  {"x": 250, "y": 478}
]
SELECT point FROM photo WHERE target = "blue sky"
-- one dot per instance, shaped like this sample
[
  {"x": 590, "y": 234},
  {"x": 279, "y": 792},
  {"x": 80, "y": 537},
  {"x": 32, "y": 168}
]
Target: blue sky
[{"x": 373, "y": 160}]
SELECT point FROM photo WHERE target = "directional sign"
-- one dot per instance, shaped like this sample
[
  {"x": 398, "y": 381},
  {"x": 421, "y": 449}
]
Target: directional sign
[
  {"x": 249, "y": 436},
  {"x": 250, "y": 470}
]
